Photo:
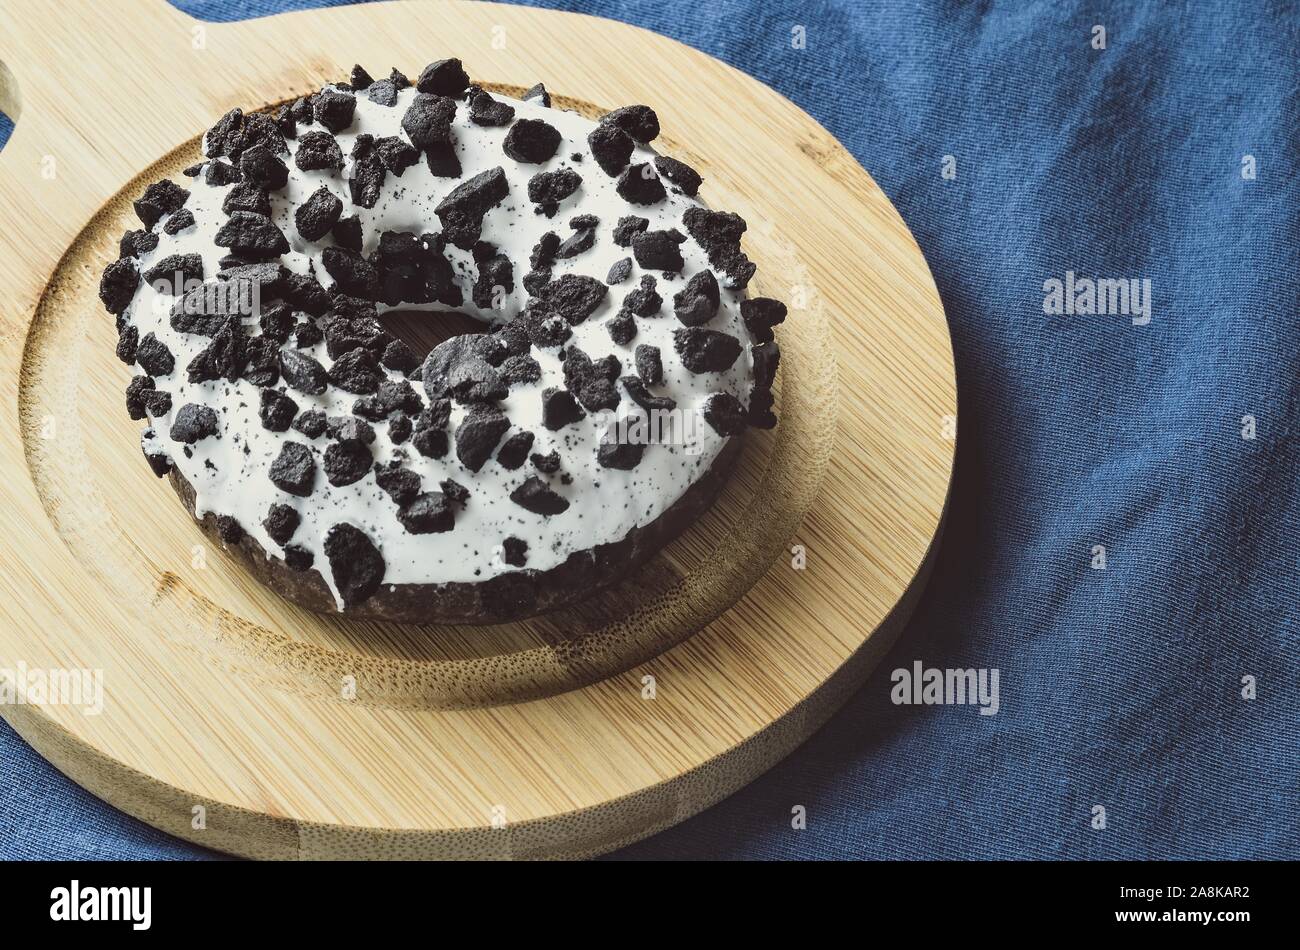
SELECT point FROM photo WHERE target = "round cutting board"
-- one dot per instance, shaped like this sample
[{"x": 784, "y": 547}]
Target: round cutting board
[{"x": 232, "y": 718}]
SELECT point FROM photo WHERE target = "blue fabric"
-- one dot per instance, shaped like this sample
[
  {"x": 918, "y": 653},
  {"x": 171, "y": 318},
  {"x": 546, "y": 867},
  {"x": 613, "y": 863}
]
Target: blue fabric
[{"x": 1119, "y": 687}]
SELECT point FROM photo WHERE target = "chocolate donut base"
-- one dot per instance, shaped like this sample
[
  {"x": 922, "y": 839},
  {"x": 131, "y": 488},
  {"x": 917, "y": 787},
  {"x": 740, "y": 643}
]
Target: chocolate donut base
[{"x": 516, "y": 595}]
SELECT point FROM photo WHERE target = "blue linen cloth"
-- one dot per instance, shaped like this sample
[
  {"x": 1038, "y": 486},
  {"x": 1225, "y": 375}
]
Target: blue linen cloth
[{"x": 1167, "y": 156}]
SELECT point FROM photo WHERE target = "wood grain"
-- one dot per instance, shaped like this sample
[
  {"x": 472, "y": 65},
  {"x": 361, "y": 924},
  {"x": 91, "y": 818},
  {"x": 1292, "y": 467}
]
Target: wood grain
[{"x": 221, "y": 695}]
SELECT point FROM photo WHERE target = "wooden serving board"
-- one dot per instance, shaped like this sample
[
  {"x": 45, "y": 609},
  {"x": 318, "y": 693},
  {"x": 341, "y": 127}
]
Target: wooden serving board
[{"x": 242, "y": 723}]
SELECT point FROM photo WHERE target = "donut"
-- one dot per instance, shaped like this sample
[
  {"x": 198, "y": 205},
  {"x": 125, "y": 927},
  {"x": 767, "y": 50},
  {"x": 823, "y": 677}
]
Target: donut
[{"x": 592, "y": 416}]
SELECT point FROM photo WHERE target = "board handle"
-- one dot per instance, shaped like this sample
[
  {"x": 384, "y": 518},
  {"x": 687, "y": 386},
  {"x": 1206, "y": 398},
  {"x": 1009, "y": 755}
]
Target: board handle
[
  {"x": 52, "y": 47},
  {"x": 65, "y": 73}
]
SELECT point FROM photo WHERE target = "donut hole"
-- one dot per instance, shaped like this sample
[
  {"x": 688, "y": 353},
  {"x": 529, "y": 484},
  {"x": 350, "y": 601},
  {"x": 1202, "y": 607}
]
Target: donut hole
[{"x": 422, "y": 330}]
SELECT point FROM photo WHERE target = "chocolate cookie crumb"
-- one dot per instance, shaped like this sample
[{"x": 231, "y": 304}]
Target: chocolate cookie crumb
[
  {"x": 548, "y": 463},
  {"x": 136, "y": 393},
  {"x": 427, "y": 121},
  {"x": 252, "y": 235},
  {"x": 698, "y": 303},
  {"x": 229, "y": 529},
  {"x": 334, "y": 110},
  {"x": 316, "y": 216},
  {"x": 220, "y": 174},
  {"x": 718, "y": 232},
  {"x": 127, "y": 341},
  {"x": 619, "y": 271},
  {"x": 347, "y": 233},
  {"x": 355, "y": 563},
  {"x": 247, "y": 196},
  {"x": 280, "y": 523},
  {"x": 277, "y": 410},
  {"x": 705, "y": 351},
  {"x": 318, "y": 151},
  {"x": 478, "y": 434},
  {"x": 559, "y": 408},
  {"x": 263, "y": 168},
  {"x": 538, "y": 94},
  {"x": 160, "y": 198},
  {"x": 194, "y": 422},
  {"x": 401, "y": 484},
  {"x": 658, "y": 250},
  {"x": 645, "y": 300},
  {"x": 649, "y": 365},
  {"x": 532, "y": 141},
  {"x": 724, "y": 412},
  {"x": 613, "y": 453},
  {"x": 118, "y": 285},
  {"x": 346, "y": 462},
  {"x": 514, "y": 450},
  {"x": 484, "y": 110},
  {"x": 574, "y": 296},
  {"x": 427, "y": 513},
  {"x": 294, "y": 469},
  {"x": 548, "y": 189},
  {"x": 514, "y": 551},
  {"x": 640, "y": 185},
  {"x": 622, "y": 328},
  {"x": 175, "y": 273},
  {"x": 462, "y": 210},
  {"x": 760, "y": 315},
  {"x": 535, "y": 496},
  {"x": 612, "y": 148},
  {"x": 302, "y": 372},
  {"x": 399, "y": 357},
  {"x": 629, "y": 227},
  {"x": 154, "y": 357},
  {"x": 638, "y": 121},
  {"x": 396, "y": 154},
  {"x": 382, "y": 93},
  {"x": 446, "y": 77},
  {"x": 680, "y": 174},
  {"x": 179, "y": 222},
  {"x": 311, "y": 423},
  {"x": 359, "y": 79}
]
